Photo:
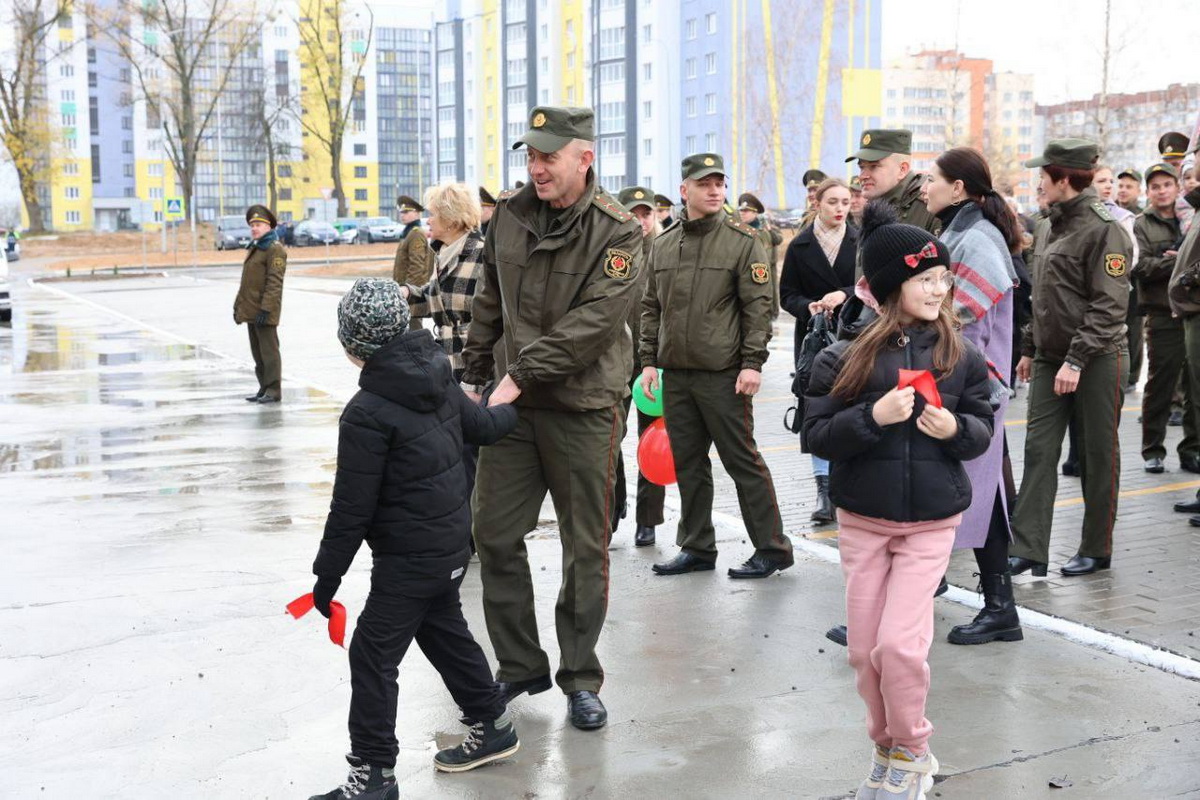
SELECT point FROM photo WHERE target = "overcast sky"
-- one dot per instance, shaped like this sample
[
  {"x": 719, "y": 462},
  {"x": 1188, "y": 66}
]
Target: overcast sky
[{"x": 1153, "y": 42}]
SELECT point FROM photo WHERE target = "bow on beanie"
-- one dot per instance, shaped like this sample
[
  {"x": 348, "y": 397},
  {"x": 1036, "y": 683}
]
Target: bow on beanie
[
  {"x": 370, "y": 315},
  {"x": 892, "y": 252},
  {"x": 928, "y": 251}
]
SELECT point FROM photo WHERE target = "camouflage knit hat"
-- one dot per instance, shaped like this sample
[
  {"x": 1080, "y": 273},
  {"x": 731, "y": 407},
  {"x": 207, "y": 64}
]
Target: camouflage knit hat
[{"x": 370, "y": 315}]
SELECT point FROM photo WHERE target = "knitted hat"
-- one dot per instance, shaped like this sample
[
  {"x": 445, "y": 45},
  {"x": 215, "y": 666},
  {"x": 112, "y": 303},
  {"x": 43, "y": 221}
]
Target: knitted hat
[
  {"x": 893, "y": 252},
  {"x": 370, "y": 315}
]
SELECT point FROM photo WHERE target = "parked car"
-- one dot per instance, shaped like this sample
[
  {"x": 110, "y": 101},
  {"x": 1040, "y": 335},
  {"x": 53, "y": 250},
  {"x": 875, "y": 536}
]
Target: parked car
[
  {"x": 5, "y": 298},
  {"x": 232, "y": 232},
  {"x": 380, "y": 229},
  {"x": 315, "y": 232}
]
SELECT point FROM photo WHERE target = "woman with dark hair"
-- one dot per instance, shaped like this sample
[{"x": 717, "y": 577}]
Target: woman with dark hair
[
  {"x": 817, "y": 277},
  {"x": 982, "y": 233},
  {"x": 1076, "y": 363}
]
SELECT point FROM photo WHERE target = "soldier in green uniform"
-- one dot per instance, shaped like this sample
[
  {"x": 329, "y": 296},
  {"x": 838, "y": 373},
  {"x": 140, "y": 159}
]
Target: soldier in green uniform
[
  {"x": 1076, "y": 363},
  {"x": 487, "y": 207},
  {"x": 561, "y": 270},
  {"x": 1158, "y": 234},
  {"x": 1129, "y": 187},
  {"x": 663, "y": 206},
  {"x": 1173, "y": 147},
  {"x": 885, "y": 172},
  {"x": 414, "y": 257},
  {"x": 751, "y": 210},
  {"x": 638, "y": 200},
  {"x": 706, "y": 321},
  {"x": 260, "y": 299},
  {"x": 857, "y": 201},
  {"x": 812, "y": 179}
]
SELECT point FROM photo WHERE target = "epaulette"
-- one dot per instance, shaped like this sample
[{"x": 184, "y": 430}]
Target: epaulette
[
  {"x": 1102, "y": 212},
  {"x": 604, "y": 201},
  {"x": 740, "y": 227},
  {"x": 507, "y": 193}
]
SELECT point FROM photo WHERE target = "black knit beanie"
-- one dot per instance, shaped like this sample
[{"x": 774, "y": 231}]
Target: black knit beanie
[{"x": 892, "y": 251}]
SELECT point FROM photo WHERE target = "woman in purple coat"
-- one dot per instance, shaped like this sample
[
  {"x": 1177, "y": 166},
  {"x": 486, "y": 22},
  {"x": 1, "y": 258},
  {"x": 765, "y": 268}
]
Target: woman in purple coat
[{"x": 982, "y": 234}]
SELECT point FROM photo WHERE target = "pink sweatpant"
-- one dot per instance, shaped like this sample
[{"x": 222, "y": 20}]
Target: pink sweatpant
[{"x": 892, "y": 570}]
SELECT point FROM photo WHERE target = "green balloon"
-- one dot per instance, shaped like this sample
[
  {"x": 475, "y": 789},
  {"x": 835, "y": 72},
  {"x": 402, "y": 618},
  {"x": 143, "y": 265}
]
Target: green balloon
[{"x": 651, "y": 408}]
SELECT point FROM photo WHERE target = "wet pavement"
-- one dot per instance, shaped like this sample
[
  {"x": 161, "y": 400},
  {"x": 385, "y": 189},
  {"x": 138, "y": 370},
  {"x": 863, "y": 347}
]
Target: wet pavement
[{"x": 158, "y": 524}]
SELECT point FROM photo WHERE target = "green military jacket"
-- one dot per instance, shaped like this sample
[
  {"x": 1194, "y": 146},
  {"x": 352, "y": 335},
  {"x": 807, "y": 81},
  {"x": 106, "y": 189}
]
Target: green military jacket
[
  {"x": 261, "y": 288},
  {"x": 414, "y": 258},
  {"x": 1081, "y": 282},
  {"x": 1154, "y": 234},
  {"x": 1184, "y": 288},
  {"x": 634, "y": 319},
  {"x": 905, "y": 197},
  {"x": 552, "y": 304},
  {"x": 708, "y": 298}
]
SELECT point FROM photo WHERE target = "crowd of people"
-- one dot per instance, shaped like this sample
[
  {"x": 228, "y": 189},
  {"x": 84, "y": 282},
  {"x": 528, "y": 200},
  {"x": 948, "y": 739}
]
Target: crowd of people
[{"x": 929, "y": 298}]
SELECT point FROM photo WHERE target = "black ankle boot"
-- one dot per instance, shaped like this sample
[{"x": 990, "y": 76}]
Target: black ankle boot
[
  {"x": 824, "y": 509},
  {"x": 997, "y": 620}
]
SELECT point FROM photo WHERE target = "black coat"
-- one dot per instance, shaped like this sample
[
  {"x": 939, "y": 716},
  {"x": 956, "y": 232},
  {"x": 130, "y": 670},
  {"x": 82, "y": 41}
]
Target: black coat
[
  {"x": 898, "y": 473},
  {"x": 808, "y": 276},
  {"x": 400, "y": 480}
]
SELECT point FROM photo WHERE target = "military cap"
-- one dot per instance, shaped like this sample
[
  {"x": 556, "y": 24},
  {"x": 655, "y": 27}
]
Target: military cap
[
  {"x": 1130, "y": 172},
  {"x": 406, "y": 203},
  {"x": 879, "y": 143},
  {"x": 1162, "y": 169},
  {"x": 633, "y": 196},
  {"x": 748, "y": 202},
  {"x": 260, "y": 213},
  {"x": 551, "y": 128},
  {"x": 701, "y": 165},
  {"x": 855, "y": 184},
  {"x": 1173, "y": 144},
  {"x": 662, "y": 202},
  {"x": 485, "y": 198},
  {"x": 813, "y": 177},
  {"x": 1069, "y": 153}
]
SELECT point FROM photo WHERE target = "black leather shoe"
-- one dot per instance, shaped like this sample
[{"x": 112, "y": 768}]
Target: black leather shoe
[
  {"x": 1191, "y": 507},
  {"x": 1155, "y": 466},
  {"x": 684, "y": 562},
  {"x": 268, "y": 398},
  {"x": 1190, "y": 463},
  {"x": 1194, "y": 522},
  {"x": 644, "y": 535},
  {"x": 837, "y": 635},
  {"x": 510, "y": 689},
  {"x": 760, "y": 566},
  {"x": 1176, "y": 418},
  {"x": 586, "y": 710},
  {"x": 253, "y": 398},
  {"x": 1070, "y": 469},
  {"x": 1017, "y": 565},
  {"x": 1085, "y": 565}
]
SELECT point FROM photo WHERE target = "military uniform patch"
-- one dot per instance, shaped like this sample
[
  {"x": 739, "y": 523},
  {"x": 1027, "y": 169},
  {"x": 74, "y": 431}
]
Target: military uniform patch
[
  {"x": 759, "y": 273},
  {"x": 618, "y": 264},
  {"x": 1114, "y": 264},
  {"x": 279, "y": 262}
]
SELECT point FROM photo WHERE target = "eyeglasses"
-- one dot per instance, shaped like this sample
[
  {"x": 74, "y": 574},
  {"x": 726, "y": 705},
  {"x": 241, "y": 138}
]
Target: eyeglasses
[{"x": 930, "y": 283}]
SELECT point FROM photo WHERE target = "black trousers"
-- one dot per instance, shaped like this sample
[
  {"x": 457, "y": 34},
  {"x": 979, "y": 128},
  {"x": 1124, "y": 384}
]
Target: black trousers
[
  {"x": 992, "y": 558},
  {"x": 650, "y": 496},
  {"x": 388, "y": 624}
]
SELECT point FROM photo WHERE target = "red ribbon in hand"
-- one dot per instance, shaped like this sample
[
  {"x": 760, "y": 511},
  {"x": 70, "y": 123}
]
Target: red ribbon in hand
[
  {"x": 337, "y": 616},
  {"x": 923, "y": 381},
  {"x": 928, "y": 251}
]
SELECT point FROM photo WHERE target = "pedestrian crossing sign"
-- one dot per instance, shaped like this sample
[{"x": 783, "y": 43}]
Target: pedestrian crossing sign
[{"x": 174, "y": 208}]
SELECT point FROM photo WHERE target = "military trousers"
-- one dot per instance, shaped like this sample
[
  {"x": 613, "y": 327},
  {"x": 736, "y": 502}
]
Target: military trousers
[
  {"x": 573, "y": 455},
  {"x": 1167, "y": 355},
  {"x": 268, "y": 367},
  {"x": 1096, "y": 404},
  {"x": 650, "y": 496},
  {"x": 702, "y": 409}
]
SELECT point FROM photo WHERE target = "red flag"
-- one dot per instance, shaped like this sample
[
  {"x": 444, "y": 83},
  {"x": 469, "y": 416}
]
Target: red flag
[
  {"x": 923, "y": 381},
  {"x": 337, "y": 616}
]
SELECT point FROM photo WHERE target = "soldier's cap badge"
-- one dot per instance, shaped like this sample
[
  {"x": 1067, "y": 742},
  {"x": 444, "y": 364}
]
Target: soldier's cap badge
[
  {"x": 866, "y": 139},
  {"x": 539, "y": 119},
  {"x": 708, "y": 162}
]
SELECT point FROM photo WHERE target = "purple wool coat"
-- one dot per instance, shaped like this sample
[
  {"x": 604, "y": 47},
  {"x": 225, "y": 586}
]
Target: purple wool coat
[{"x": 983, "y": 300}]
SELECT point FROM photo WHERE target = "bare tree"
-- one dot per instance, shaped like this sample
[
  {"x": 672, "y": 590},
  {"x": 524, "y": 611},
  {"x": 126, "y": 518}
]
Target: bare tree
[
  {"x": 24, "y": 121},
  {"x": 183, "y": 54},
  {"x": 269, "y": 112},
  {"x": 334, "y": 44}
]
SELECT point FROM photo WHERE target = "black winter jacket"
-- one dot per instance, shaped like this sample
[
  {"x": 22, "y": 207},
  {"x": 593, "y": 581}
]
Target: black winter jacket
[
  {"x": 808, "y": 276},
  {"x": 898, "y": 473},
  {"x": 400, "y": 480}
]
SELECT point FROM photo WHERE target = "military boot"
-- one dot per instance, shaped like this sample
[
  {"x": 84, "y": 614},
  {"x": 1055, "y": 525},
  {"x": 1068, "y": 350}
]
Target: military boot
[{"x": 997, "y": 620}]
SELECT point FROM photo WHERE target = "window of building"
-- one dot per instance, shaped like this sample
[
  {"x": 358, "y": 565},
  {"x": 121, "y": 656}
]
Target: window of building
[
  {"x": 285, "y": 194},
  {"x": 72, "y": 167},
  {"x": 647, "y": 71},
  {"x": 690, "y": 28},
  {"x": 646, "y": 109},
  {"x": 68, "y": 120},
  {"x": 154, "y": 170},
  {"x": 360, "y": 149},
  {"x": 127, "y": 146},
  {"x": 156, "y": 193},
  {"x": 127, "y": 170},
  {"x": 689, "y": 107},
  {"x": 360, "y": 194},
  {"x": 647, "y": 147},
  {"x": 710, "y": 23},
  {"x": 647, "y": 33},
  {"x": 360, "y": 172},
  {"x": 710, "y": 104},
  {"x": 73, "y": 218},
  {"x": 710, "y": 142},
  {"x": 71, "y": 192},
  {"x": 689, "y": 144},
  {"x": 612, "y": 43},
  {"x": 284, "y": 170},
  {"x": 67, "y": 95},
  {"x": 66, "y": 70},
  {"x": 710, "y": 63}
]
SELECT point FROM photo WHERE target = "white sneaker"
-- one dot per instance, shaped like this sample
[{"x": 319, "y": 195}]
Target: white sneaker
[
  {"x": 909, "y": 777},
  {"x": 879, "y": 770}
]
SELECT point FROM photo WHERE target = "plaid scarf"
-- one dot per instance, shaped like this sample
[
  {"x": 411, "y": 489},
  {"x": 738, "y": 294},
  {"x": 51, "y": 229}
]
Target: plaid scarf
[{"x": 830, "y": 239}]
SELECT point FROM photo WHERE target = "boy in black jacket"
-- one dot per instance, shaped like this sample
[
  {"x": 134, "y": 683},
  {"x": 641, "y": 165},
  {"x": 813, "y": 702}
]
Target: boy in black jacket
[{"x": 401, "y": 486}]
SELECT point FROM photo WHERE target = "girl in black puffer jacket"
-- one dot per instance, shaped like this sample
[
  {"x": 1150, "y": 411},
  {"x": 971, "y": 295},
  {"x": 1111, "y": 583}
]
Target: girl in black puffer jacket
[{"x": 897, "y": 479}]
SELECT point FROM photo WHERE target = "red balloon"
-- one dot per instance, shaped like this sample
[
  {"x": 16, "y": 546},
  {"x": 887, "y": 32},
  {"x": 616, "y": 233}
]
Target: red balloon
[{"x": 655, "y": 459}]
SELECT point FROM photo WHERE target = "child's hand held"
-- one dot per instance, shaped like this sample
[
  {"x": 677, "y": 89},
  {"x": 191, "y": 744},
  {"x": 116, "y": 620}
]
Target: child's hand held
[
  {"x": 937, "y": 423},
  {"x": 895, "y": 406}
]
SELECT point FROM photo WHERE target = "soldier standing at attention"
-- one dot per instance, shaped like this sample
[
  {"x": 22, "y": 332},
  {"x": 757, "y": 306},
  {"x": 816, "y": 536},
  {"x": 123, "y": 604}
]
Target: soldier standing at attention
[
  {"x": 1077, "y": 361},
  {"x": 885, "y": 172},
  {"x": 663, "y": 208},
  {"x": 414, "y": 257},
  {"x": 812, "y": 179},
  {"x": 857, "y": 201},
  {"x": 751, "y": 209},
  {"x": 260, "y": 299},
  {"x": 706, "y": 320},
  {"x": 561, "y": 267}
]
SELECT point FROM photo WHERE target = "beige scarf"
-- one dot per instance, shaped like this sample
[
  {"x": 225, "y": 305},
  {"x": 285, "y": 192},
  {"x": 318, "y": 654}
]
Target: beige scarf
[
  {"x": 830, "y": 239},
  {"x": 449, "y": 253}
]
